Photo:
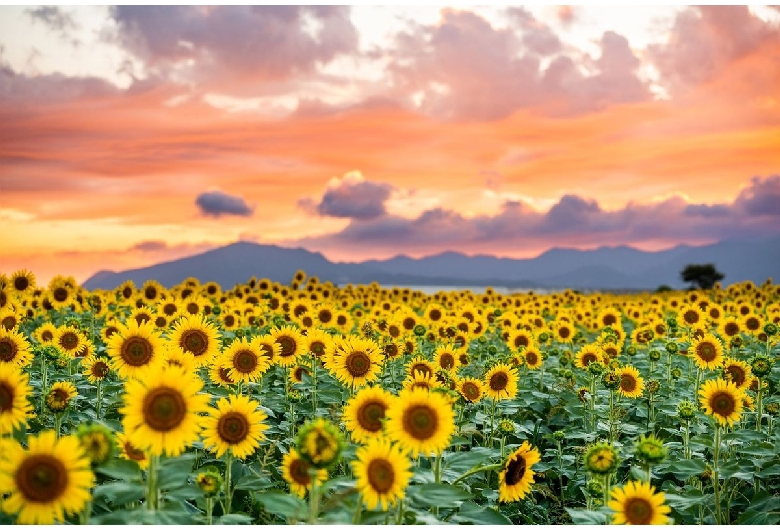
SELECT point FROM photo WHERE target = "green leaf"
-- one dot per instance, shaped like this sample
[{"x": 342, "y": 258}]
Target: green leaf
[
  {"x": 475, "y": 514},
  {"x": 234, "y": 518},
  {"x": 252, "y": 482},
  {"x": 121, "y": 469},
  {"x": 441, "y": 495},
  {"x": 282, "y": 504},
  {"x": 685, "y": 469},
  {"x": 587, "y": 516},
  {"x": 120, "y": 492},
  {"x": 755, "y": 517}
]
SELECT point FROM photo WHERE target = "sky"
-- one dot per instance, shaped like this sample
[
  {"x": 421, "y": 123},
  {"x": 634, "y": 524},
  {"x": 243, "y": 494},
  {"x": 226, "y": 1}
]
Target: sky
[{"x": 133, "y": 135}]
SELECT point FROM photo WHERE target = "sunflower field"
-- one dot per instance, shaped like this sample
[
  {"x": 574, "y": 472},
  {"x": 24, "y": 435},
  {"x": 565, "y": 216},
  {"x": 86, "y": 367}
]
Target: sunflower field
[{"x": 313, "y": 403}]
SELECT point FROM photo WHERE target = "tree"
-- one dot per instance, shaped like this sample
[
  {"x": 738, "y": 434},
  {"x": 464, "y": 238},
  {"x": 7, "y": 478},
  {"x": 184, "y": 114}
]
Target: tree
[{"x": 702, "y": 275}]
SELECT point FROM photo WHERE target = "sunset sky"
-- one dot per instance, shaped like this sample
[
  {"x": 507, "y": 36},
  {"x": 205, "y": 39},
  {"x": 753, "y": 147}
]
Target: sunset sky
[{"x": 133, "y": 135}]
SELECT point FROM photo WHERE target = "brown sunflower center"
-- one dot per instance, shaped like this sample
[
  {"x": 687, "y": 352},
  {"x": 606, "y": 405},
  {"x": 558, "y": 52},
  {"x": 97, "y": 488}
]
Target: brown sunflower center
[
  {"x": 691, "y": 317},
  {"x": 224, "y": 374},
  {"x": 531, "y": 358},
  {"x": 229, "y": 321},
  {"x": 381, "y": 475},
  {"x": 752, "y": 323},
  {"x": 8, "y": 349},
  {"x": 136, "y": 351},
  {"x": 288, "y": 345},
  {"x": 69, "y": 341},
  {"x": 394, "y": 331},
  {"x": 589, "y": 358},
  {"x": 638, "y": 511},
  {"x": 267, "y": 350},
  {"x": 391, "y": 350},
  {"x": 160, "y": 321},
  {"x": 6, "y": 397},
  {"x": 170, "y": 308},
  {"x": 499, "y": 381},
  {"x": 150, "y": 293},
  {"x": 447, "y": 361},
  {"x": 723, "y": 404},
  {"x": 41, "y": 478},
  {"x": 515, "y": 470},
  {"x": 737, "y": 374},
  {"x": 608, "y": 320},
  {"x": 60, "y": 294},
  {"x": 408, "y": 323},
  {"x": 420, "y": 367},
  {"x": 706, "y": 351},
  {"x": 521, "y": 340},
  {"x": 325, "y": 316},
  {"x": 133, "y": 453},
  {"x": 434, "y": 315},
  {"x": 731, "y": 329},
  {"x": 370, "y": 415},
  {"x": 299, "y": 471},
  {"x": 357, "y": 363},
  {"x": 627, "y": 382},
  {"x": 193, "y": 308},
  {"x": 233, "y": 427},
  {"x": 164, "y": 409},
  {"x": 99, "y": 369},
  {"x": 341, "y": 320},
  {"x": 564, "y": 332},
  {"x": 471, "y": 391},
  {"x": 245, "y": 361},
  {"x": 317, "y": 347},
  {"x": 194, "y": 341},
  {"x": 420, "y": 422},
  {"x": 21, "y": 283}
]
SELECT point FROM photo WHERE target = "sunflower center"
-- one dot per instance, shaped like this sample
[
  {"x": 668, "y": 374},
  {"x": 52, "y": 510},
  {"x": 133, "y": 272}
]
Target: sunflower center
[
  {"x": 233, "y": 427},
  {"x": 391, "y": 350},
  {"x": 424, "y": 368},
  {"x": 380, "y": 475},
  {"x": 435, "y": 315},
  {"x": 370, "y": 416},
  {"x": 21, "y": 283},
  {"x": 691, "y": 317},
  {"x": 150, "y": 293},
  {"x": 133, "y": 453},
  {"x": 447, "y": 361},
  {"x": 288, "y": 345},
  {"x": 638, "y": 511},
  {"x": 420, "y": 422},
  {"x": 588, "y": 358},
  {"x": 69, "y": 340},
  {"x": 499, "y": 381},
  {"x": 245, "y": 361},
  {"x": 169, "y": 309},
  {"x": 267, "y": 350},
  {"x": 136, "y": 351},
  {"x": 608, "y": 320},
  {"x": 299, "y": 471},
  {"x": 357, "y": 363},
  {"x": 6, "y": 397},
  {"x": 522, "y": 340},
  {"x": 531, "y": 358},
  {"x": 193, "y": 308},
  {"x": 100, "y": 369},
  {"x": 515, "y": 470},
  {"x": 564, "y": 332},
  {"x": 230, "y": 321},
  {"x": 471, "y": 391},
  {"x": 706, "y": 352},
  {"x": 224, "y": 373},
  {"x": 8, "y": 350},
  {"x": 42, "y": 478},
  {"x": 409, "y": 323},
  {"x": 325, "y": 316},
  {"x": 317, "y": 348},
  {"x": 627, "y": 383},
  {"x": 752, "y": 323},
  {"x": 60, "y": 294},
  {"x": 164, "y": 409},
  {"x": 723, "y": 404},
  {"x": 736, "y": 374},
  {"x": 731, "y": 329},
  {"x": 194, "y": 341}
]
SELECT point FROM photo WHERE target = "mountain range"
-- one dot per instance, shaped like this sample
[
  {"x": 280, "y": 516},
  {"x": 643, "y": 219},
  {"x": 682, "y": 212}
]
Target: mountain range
[{"x": 612, "y": 268}]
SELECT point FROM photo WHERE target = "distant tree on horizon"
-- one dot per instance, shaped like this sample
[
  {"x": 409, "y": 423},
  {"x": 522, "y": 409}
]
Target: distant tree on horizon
[{"x": 702, "y": 276}]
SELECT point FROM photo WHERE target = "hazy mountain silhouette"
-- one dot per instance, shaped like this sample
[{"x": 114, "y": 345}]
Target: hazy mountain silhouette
[{"x": 603, "y": 268}]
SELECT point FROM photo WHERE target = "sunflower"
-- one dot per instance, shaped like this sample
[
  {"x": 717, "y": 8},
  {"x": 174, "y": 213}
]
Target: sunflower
[
  {"x": 420, "y": 364},
  {"x": 22, "y": 282},
  {"x": 600, "y": 458},
  {"x": 128, "y": 451},
  {"x": 690, "y": 315},
  {"x": 320, "y": 442},
  {"x": 60, "y": 396},
  {"x": 631, "y": 384},
  {"x": 730, "y": 327},
  {"x": 45, "y": 333},
  {"x": 738, "y": 372},
  {"x": 520, "y": 338},
  {"x": 638, "y": 503},
  {"x": 472, "y": 389},
  {"x": 14, "y": 348},
  {"x": 175, "y": 356},
  {"x": 296, "y": 472},
  {"x": 357, "y": 361},
  {"x": 382, "y": 472},
  {"x": 365, "y": 411},
  {"x": 71, "y": 341},
  {"x": 501, "y": 382},
  {"x": 445, "y": 358},
  {"x": 142, "y": 315},
  {"x": 516, "y": 478},
  {"x": 609, "y": 317},
  {"x": 198, "y": 337},
  {"x": 291, "y": 342},
  {"x": 420, "y": 380},
  {"x": 533, "y": 358},
  {"x": 563, "y": 332},
  {"x": 707, "y": 352},
  {"x": 245, "y": 360},
  {"x": 46, "y": 482},
  {"x": 15, "y": 392},
  {"x": 236, "y": 425},
  {"x": 220, "y": 375},
  {"x": 135, "y": 348},
  {"x": 319, "y": 343},
  {"x": 588, "y": 354},
  {"x": 10, "y": 318},
  {"x": 421, "y": 422},
  {"x": 152, "y": 291},
  {"x": 722, "y": 400},
  {"x": 161, "y": 411}
]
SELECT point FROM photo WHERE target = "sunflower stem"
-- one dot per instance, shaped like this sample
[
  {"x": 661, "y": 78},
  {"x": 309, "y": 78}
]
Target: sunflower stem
[
  {"x": 541, "y": 378},
  {"x": 759, "y": 405},
  {"x": 228, "y": 476},
  {"x": 314, "y": 361},
  {"x": 85, "y": 513},
  {"x": 491, "y": 467},
  {"x": 492, "y": 421},
  {"x": 57, "y": 424},
  {"x": 400, "y": 517},
  {"x": 560, "y": 471},
  {"x": 358, "y": 510},
  {"x": 151, "y": 479},
  {"x": 716, "y": 474},
  {"x": 44, "y": 379},
  {"x": 99, "y": 399},
  {"x": 607, "y": 480},
  {"x": 209, "y": 510},
  {"x": 314, "y": 497}
]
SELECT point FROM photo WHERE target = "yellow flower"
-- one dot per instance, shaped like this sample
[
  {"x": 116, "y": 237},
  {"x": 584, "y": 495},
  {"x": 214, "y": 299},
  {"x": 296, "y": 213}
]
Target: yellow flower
[
  {"x": 135, "y": 348},
  {"x": 15, "y": 393},
  {"x": 295, "y": 471},
  {"x": 290, "y": 342},
  {"x": 516, "y": 478},
  {"x": 14, "y": 348},
  {"x": 357, "y": 361},
  {"x": 631, "y": 384},
  {"x": 637, "y": 503},
  {"x": 365, "y": 411},
  {"x": 245, "y": 360},
  {"x": 236, "y": 424},
  {"x": 501, "y": 382},
  {"x": 707, "y": 352},
  {"x": 421, "y": 421},
  {"x": 60, "y": 395},
  {"x": 46, "y": 482},
  {"x": 198, "y": 337},
  {"x": 722, "y": 400},
  {"x": 382, "y": 472}
]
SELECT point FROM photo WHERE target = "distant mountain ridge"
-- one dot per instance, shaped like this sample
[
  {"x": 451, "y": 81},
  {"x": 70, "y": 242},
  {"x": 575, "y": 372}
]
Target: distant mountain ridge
[{"x": 619, "y": 267}]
